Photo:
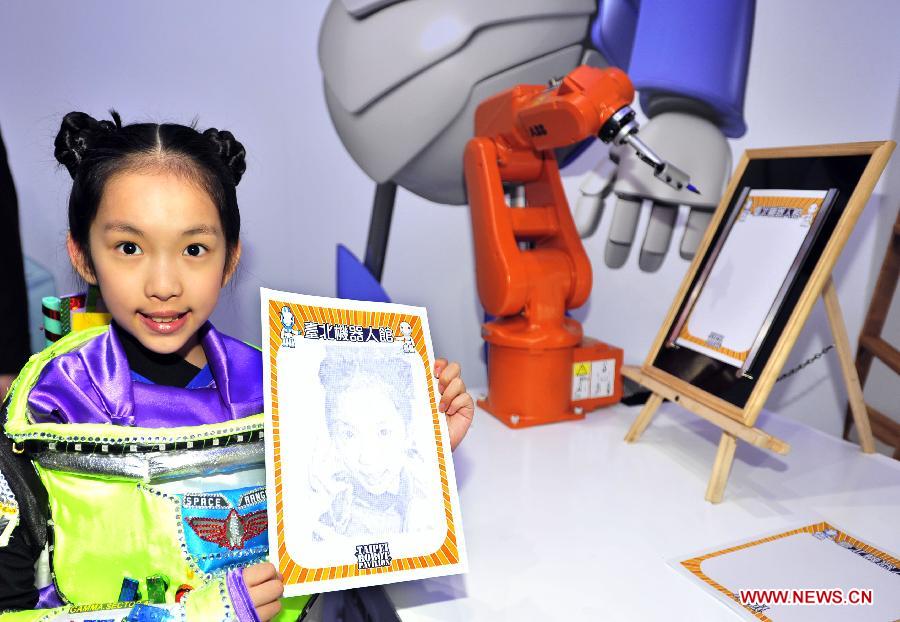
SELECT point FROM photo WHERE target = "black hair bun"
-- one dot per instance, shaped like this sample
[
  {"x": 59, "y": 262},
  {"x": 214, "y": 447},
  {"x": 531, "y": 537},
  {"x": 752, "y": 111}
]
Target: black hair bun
[
  {"x": 77, "y": 134},
  {"x": 230, "y": 150}
]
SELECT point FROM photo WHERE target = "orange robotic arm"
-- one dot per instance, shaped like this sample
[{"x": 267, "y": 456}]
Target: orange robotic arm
[
  {"x": 516, "y": 132},
  {"x": 531, "y": 265}
]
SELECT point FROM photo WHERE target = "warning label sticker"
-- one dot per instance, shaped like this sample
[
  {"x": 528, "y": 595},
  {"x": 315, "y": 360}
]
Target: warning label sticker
[{"x": 593, "y": 379}]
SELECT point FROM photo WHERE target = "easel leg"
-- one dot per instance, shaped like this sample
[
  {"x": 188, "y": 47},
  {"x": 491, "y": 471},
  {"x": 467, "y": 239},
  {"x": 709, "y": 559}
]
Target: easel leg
[
  {"x": 851, "y": 378},
  {"x": 721, "y": 468},
  {"x": 643, "y": 420}
]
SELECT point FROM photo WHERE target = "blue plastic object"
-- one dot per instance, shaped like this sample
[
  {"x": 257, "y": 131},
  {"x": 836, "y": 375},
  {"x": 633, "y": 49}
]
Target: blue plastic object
[
  {"x": 129, "y": 590},
  {"x": 354, "y": 281},
  {"x": 149, "y": 613},
  {"x": 613, "y": 30},
  {"x": 693, "y": 48}
]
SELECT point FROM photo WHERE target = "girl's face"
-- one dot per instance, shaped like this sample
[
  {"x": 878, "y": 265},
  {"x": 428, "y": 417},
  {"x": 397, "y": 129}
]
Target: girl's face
[
  {"x": 158, "y": 253},
  {"x": 371, "y": 436}
]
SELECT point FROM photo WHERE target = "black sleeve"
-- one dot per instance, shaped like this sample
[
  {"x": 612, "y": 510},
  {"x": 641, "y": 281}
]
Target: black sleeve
[
  {"x": 17, "y": 558},
  {"x": 14, "y": 341}
]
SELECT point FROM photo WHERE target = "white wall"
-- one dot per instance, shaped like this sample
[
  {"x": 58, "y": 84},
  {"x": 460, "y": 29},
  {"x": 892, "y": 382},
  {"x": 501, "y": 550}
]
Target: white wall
[{"x": 820, "y": 72}]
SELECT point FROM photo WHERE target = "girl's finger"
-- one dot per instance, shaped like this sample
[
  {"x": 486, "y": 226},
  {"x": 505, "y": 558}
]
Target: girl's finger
[
  {"x": 439, "y": 366},
  {"x": 456, "y": 387},
  {"x": 462, "y": 401},
  {"x": 258, "y": 573},
  {"x": 267, "y": 592},
  {"x": 450, "y": 372}
]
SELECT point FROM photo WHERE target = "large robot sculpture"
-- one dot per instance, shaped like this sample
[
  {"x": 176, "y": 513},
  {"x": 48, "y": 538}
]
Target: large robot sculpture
[{"x": 403, "y": 80}]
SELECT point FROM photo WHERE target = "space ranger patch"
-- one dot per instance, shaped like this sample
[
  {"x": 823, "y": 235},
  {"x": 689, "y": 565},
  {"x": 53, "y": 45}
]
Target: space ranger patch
[{"x": 227, "y": 528}]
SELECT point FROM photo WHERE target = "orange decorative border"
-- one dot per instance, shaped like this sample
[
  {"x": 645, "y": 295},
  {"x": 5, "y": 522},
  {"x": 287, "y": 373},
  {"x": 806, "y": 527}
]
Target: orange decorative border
[
  {"x": 693, "y": 564},
  {"x": 802, "y": 203},
  {"x": 291, "y": 571},
  {"x": 687, "y": 336}
]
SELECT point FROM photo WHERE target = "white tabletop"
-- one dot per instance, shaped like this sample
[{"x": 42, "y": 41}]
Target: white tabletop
[{"x": 569, "y": 522}]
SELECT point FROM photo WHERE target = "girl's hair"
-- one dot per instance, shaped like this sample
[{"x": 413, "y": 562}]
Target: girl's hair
[{"x": 94, "y": 151}]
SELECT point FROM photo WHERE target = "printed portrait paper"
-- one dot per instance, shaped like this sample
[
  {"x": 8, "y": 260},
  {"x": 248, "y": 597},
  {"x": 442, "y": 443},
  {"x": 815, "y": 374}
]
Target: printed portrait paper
[{"x": 361, "y": 487}]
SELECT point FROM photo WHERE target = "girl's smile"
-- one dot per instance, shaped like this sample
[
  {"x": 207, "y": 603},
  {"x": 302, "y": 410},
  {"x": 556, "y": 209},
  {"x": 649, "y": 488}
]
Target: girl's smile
[{"x": 164, "y": 322}]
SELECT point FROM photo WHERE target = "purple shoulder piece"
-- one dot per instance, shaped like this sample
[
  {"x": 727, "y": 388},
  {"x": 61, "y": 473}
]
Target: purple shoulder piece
[
  {"x": 49, "y": 598},
  {"x": 93, "y": 385}
]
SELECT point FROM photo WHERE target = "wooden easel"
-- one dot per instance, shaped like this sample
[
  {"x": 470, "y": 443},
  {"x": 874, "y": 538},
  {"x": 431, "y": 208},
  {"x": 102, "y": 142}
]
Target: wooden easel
[
  {"x": 739, "y": 422},
  {"x": 733, "y": 430}
]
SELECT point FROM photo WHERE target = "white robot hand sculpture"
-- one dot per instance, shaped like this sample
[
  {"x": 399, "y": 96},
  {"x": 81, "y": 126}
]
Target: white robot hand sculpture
[{"x": 698, "y": 146}]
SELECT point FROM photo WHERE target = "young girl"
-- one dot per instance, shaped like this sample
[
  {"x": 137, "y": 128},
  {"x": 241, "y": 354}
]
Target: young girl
[{"x": 132, "y": 456}]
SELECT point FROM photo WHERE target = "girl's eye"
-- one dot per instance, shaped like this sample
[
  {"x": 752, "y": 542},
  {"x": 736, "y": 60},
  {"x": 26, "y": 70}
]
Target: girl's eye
[
  {"x": 195, "y": 250},
  {"x": 130, "y": 248}
]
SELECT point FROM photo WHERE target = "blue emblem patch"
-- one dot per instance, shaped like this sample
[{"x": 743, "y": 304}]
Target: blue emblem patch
[{"x": 226, "y": 528}]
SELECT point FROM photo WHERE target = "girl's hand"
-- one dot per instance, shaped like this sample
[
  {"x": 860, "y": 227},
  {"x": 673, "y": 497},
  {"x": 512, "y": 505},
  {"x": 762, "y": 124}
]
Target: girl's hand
[
  {"x": 265, "y": 588},
  {"x": 455, "y": 402}
]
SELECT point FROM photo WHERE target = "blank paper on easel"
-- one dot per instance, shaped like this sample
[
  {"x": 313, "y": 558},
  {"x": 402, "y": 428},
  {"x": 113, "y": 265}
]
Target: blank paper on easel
[{"x": 749, "y": 271}]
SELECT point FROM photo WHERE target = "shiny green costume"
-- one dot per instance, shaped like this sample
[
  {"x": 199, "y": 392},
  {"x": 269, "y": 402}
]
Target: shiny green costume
[{"x": 115, "y": 496}]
